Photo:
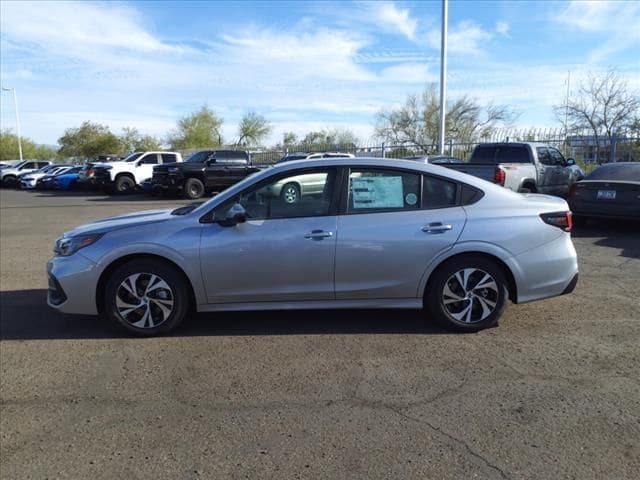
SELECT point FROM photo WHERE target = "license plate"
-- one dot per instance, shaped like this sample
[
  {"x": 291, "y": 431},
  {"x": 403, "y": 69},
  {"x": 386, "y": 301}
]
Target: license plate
[{"x": 606, "y": 195}]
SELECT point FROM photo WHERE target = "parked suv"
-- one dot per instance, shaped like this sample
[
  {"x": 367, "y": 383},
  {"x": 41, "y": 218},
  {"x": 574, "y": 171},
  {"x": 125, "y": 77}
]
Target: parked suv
[
  {"x": 124, "y": 175},
  {"x": 204, "y": 171},
  {"x": 9, "y": 176}
]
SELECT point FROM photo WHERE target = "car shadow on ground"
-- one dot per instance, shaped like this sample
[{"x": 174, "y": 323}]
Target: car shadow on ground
[
  {"x": 24, "y": 315},
  {"x": 623, "y": 235}
]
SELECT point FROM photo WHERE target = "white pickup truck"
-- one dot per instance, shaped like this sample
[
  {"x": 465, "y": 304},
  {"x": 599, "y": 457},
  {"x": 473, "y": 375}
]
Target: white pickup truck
[
  {"x": 525, "y": 167},
  {"x": 125, "y": 175}
]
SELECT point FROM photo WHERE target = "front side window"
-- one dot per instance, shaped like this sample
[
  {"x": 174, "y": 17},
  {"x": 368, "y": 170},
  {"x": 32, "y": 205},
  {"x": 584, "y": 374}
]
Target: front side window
[
  {"x": 151, "y": 159},
  {"x": 556, "y": 157},
  {"x": 28, "y": 165},
  {"x": 383, "y": 190},
  {"x": 307, "y": 194},
  {"x": 543, "y": 156}
]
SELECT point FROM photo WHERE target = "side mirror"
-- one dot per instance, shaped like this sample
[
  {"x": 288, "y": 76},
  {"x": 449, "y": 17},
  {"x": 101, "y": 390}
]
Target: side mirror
[
  {"x": 235, "y": 215},
  {"x": 570, "y": 161}
]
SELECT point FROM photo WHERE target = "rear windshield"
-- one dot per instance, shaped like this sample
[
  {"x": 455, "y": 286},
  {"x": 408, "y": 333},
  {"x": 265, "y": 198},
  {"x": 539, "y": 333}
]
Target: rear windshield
[
  {"x": 616, "y": 171},
  {"x": 500, "y": 154}
]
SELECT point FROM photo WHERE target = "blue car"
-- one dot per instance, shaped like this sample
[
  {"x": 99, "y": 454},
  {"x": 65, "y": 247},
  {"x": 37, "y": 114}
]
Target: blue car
[{"x": 67, "y": 180}]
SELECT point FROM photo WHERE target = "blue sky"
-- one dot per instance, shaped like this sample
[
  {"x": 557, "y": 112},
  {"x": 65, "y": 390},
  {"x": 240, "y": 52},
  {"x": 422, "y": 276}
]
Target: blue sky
[{"x": 304, "y": 65}]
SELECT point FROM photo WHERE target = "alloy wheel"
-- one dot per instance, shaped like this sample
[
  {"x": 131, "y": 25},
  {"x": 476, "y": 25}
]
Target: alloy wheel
[
  {"x": 470, "y": 295},
  {"x": 290, "y": 194},
  {"x": 144, "y": 300}
]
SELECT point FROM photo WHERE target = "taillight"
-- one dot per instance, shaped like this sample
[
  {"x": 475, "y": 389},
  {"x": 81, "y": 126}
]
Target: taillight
[
  {"x": 572, "y": 190},
  {"x": 90, "y": 173},
  {"x": 500, "y": 176},
  {"x": 561, "y": 220}
]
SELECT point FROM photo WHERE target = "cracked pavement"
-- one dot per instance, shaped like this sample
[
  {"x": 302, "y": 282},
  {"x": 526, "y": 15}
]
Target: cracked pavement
[{"x": 553, "y": 392}]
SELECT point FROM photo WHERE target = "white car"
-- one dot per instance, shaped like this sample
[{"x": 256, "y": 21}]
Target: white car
[
  {"x": 29, "y": 180},
  {"x": 125, "y": 175},
  {"x": 9, "y": 176}
]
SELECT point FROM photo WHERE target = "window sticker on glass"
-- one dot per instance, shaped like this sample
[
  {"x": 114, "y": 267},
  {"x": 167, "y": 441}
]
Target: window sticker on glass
[{"x": 377, "y": 192}]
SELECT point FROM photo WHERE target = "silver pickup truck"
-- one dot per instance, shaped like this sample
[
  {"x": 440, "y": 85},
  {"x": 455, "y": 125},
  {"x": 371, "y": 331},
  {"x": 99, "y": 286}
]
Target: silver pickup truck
[{"x": 522, "y": 167}]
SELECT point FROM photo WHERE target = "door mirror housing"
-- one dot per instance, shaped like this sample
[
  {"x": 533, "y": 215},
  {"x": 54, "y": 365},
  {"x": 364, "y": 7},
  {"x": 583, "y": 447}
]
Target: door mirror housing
[
  {"x": 235, "y": 215},
  {"x": 571, "y": 161}
]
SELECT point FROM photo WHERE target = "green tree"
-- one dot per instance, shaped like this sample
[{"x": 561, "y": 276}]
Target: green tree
[
  {"x": 289, "y": 139},
  {"x": 88, "y": 141},
  {"x": 30, "y": 150},
  {"x": 197, "y": 130},
  {"x": 417, "y": 121},
  {"x": 253, "y": 129},
  {"x": 132, "y": 141},
  {"x": 332, "y": 139}
]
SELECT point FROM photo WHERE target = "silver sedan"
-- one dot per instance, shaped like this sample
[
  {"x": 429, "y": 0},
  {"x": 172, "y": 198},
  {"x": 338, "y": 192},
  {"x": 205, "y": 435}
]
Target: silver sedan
[{"x": 374, "y": 233}]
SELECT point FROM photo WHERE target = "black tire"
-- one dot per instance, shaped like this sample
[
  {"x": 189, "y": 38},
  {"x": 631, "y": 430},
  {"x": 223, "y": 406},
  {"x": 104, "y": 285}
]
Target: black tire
[
  {"x": 477, "y": 309},
  {"x": 290, "y": 193},
  {"x": 124, "y": 184},
  {"x": 157, "y": 321},
  {"x": 10, "y": 181},
  {"x": 526, "y": 190},
  {"x": 193, "y": 188}
]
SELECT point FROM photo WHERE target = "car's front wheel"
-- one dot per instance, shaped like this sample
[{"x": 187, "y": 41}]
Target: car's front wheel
[
  {"x": 124, "y": 184},
  {"x": 467, "y": 293},
  {"x": 193, "y": 188},
  {"x": 146, "y": 297}
]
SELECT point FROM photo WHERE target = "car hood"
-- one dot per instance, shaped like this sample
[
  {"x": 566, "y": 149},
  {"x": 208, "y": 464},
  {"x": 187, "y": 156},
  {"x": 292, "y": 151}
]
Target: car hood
[{"x": 130, "y": 220}]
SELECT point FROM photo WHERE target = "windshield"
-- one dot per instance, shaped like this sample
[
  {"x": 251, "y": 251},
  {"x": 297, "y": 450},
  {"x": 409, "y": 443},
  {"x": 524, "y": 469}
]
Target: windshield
[
  {"x": 133, "y": 157},
  {"x": 249, "y": 179},
  {"x": 199, "y": 157}
]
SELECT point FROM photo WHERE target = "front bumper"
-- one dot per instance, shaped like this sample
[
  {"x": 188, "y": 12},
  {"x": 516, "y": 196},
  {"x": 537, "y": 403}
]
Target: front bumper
[{"x": 73, "y": 282}]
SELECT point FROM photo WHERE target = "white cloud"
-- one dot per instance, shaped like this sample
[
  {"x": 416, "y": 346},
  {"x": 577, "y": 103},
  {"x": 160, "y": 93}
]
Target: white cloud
[
  {"x": 617, "y": 22},
  {"x": 392, "y": 18},
  {"x": 465, "y": 38},
  {"x": 502, "y": 28}
]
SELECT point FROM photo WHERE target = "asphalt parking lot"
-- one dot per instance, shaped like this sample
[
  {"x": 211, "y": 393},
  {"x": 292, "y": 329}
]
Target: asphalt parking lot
[{"x": 553, "y": 392}]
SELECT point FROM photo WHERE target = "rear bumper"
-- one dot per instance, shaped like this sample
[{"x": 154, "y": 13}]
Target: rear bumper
[
  {"x": 546, "y": 271},
  {"x": 605, "y": 210}
]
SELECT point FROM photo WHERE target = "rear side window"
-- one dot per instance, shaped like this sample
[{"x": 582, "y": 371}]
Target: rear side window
[
  {"x": 383, "y": 190},
  {"x": 438, "y": 193},
  {"x": 168, "y": 158}
]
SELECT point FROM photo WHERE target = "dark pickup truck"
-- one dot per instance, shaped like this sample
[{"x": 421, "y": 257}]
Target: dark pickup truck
[{"x": 204, "y": 171}]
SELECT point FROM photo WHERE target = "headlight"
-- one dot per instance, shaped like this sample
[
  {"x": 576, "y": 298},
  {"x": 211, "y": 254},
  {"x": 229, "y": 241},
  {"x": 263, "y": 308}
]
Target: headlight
[{"x": 66, "y": 246}]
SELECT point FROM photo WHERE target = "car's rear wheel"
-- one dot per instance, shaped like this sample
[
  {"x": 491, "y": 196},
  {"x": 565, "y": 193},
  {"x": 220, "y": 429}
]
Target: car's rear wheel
[
  {"x": 193, "y": 188},
  {"x": 124, "y": 184},
  {"x": 467, "y": 293},
  {"x": 290, "y": 193},
  {"x": 146, "y": 297}
]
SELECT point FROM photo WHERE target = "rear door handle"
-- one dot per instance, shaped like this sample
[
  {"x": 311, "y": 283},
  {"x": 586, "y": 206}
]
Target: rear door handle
[
  {"x": 436, "y": 227},
  {"x": 318, "y": 235}
]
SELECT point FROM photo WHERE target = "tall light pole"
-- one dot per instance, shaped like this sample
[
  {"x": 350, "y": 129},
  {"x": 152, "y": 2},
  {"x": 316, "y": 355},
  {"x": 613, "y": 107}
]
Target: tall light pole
[
  {"x": 443, "y": 75},
  {"x": 15, "y": 104}
]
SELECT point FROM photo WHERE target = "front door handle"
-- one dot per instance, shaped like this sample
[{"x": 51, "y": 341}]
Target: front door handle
[
  {"x": 436, "y": 227},
  {"x": 318, "y": 235}
]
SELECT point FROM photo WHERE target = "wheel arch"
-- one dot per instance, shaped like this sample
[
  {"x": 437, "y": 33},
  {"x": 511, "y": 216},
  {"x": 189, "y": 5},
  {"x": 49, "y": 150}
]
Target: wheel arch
[
  {"x": 529, "y": 183},
  {"x": 106, "y": 273},
  {"x": 512, "y": 286}
]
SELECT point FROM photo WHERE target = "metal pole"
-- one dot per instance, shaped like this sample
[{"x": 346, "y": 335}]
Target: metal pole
[
  {"x": 15, "y": 105},
  {"x": 443, "y": 76},
  {"x": 566, "y": 107}
]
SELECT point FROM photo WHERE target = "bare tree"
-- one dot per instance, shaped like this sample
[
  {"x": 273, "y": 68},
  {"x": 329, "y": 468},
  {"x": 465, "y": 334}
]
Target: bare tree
[
  {"x": 416, "y": 122},
  {"x": 603, "y": 104}
]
